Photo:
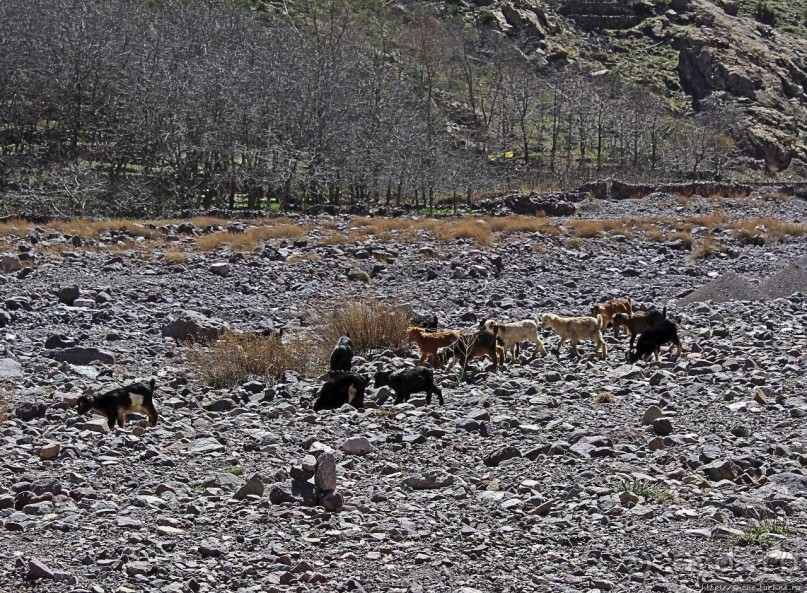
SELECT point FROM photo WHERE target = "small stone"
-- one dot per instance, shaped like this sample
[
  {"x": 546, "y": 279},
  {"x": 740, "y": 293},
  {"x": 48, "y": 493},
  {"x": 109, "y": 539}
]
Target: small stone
[
  {"x": 38, "y": 569},
  {"x": 652, "y": 414},
  {"x": 332, "y": 501},
  {"x": 220, "y": 268},
  {"x": 50, "y": 451},
  {"x": 662, "y": 426},
  {"x": 779, "y": 557},
  {"x": 10, "y": 369},
  {"x": 628, "y": 498},
  {"x": 325, "y": 477},
  {"x": 357, "y": 446},
  {"x": 252, "y": 487},
  {"x": 212, "y": 547}
]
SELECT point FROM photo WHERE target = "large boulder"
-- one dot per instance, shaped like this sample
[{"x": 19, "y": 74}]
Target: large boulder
[{"x": 190, "y": 325}]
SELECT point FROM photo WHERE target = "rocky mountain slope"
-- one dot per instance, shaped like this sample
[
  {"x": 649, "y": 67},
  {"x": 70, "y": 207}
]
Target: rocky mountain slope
[
  {"x": 550, "y": 474},
  {"x": 689, "y": 50}
]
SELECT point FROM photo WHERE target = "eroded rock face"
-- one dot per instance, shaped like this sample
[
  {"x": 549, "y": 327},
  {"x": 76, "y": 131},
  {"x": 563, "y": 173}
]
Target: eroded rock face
[{"x": 765, "y": 79}]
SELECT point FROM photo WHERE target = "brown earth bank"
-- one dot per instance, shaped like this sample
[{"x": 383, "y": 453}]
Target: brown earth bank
[{"x": 554, "y": 473}]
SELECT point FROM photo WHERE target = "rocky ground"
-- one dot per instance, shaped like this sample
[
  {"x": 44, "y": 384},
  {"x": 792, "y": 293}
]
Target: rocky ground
[{"x": 551, "y": 474}]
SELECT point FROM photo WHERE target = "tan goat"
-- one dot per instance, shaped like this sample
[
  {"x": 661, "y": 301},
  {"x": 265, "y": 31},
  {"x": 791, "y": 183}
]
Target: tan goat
[{"x": 575, "y": 329}]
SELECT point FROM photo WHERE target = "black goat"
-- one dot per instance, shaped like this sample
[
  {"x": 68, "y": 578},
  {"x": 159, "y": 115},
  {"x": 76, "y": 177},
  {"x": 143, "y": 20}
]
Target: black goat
[
  {"x": 115, "y": 404},
  {"x": 651, "y": 341},
  {"x": 405, "y": 382},
  {"x": 342, "y": 355},
  {"x": 347, "y": 388}
]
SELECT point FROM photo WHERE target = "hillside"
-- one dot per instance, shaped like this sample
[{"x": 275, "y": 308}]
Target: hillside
[
  {"x": 690, "y": 51},
  {"x": 135, "y": 109}
]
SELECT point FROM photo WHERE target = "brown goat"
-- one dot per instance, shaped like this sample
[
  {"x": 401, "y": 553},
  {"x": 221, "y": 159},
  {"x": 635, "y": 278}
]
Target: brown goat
[
  {"x": 609, "y": 309},
  {"x": 429, "y": 342},
  {"x": 639, "y": 322},
  {"x": 481, "y": 343}
]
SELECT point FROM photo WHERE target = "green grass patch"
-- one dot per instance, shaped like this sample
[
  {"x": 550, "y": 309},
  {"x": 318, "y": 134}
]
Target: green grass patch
[
  {"x": 235, "y": 470},
  {"x": 644, "y": 490}
]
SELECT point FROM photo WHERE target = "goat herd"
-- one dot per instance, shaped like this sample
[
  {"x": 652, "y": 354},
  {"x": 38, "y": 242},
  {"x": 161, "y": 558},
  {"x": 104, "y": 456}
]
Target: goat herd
[
  {"x": 494, "y": 340},
  {"x": 443, "y": 349}
]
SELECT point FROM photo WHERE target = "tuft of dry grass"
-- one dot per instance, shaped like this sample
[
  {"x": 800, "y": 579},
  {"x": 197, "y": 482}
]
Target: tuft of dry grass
[
  {"x": 6, "y": 398},
  {"x": 573, "y": 243},
  {"x": 281, "y": 228},
  {"x": 175, "y": 255},
  {"x": 476, "y": 229},
  {"x": 709, "y": 247},
  {"x": 524, "y": 224},
  {"x": 239, "y": 357},
  {"x": 684, "y": 237},
  {"x": 15, "y": 227},
  {"x": 606, "y": 397},
  {"x": 586, "y": 229},
  {"x": 372, "y": 324}
]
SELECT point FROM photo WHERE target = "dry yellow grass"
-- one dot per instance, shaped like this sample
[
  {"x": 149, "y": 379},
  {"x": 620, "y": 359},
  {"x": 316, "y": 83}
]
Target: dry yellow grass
[
  {"x": 280, "y": 228},
  {"x": 6, "y": 397},
  {"x": 175, "y": 255},
  {"x": 777, "y": 197},
  {"x": 371, "y": 324},
  {"x": 238, "y": 357},
  {"x": 585, "y": 229},
  {"x": 15, "y": 227},
  {"x": 684, "y": 237},
  {"x": 708, "y": 247}
]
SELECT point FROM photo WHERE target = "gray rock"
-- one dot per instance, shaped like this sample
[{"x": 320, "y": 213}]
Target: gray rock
[
  {"x": 212, "y": 547},
  {"x": 357, "y": 446},
  {"x": 50, "y": 451},
  {"x": 252, "y": 487},
  {"x": 325, "y": 477},
  {"x": 429, "y": 480},
  {"x": 68, "y": 294},
  {"x": 190, "y": 325},
  {"x": 662, "y": 426},
  {"x": 79, "y": 355},
  {"x": 494, "y": 458},
  {"x": 38, "y": 569},
  {"x": 651, "y": 415},
  {"x": 10, "y": 369}
]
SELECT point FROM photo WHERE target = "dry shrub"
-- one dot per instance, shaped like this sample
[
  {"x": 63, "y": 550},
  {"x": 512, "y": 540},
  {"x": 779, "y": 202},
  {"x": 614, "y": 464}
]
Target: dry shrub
[
  {"x": 684, "y": 237},
  {"x": 475, "y": 229},
  {"x": 5, "y": 403},
  {"x": 523, "y": 224},
  {"x": 606, "y": 397},
  {"x": 371, "y": 324},
  {"x": 236, "y": 358},
  {"x": 15, "y": 227},
  {"x": 709, "y": 247},
  {"x": 92, "y": 229},
  {"x": 573, "y": 243},
  {"x": 585, "y": 229},
  {"x": 773, "y": 230},
  {"x": 175, "y": 255}
]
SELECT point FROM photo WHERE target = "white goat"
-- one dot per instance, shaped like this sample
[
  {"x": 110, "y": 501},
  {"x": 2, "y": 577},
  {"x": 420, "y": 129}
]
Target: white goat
[
  {"x": 575, "y": 329},
  {"x": 513, "y": 333}
]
